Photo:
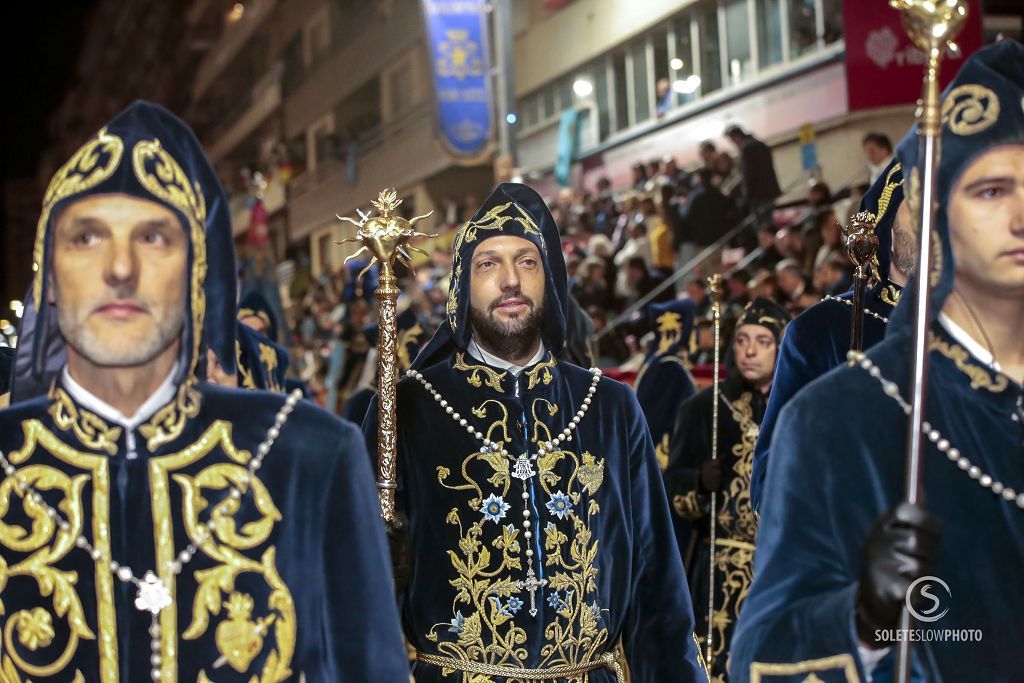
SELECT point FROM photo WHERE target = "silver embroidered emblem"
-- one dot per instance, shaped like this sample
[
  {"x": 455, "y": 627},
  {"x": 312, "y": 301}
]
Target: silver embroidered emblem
[
  {"x": 153, "y": 595},
  {"x": 523, "y": 469}
]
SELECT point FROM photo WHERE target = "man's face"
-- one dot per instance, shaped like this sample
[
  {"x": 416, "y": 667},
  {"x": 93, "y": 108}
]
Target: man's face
[
  {"x": 256, "y": 323},
  {"x": 119, "y": 279},
  {"x": 986, "y": 218},
  {"x": 506, "y": 286},
  {"x": 754, "y": 348},
  {"x": 904, "y": 240},
  {"x": 789, "y": 280},
  {"x": 875, "y": 154}
]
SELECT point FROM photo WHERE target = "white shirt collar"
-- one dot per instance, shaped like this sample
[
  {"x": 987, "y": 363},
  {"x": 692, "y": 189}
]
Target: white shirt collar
[
  {"x": 965, "y": 340},
  {"x": 479, "y": 353},
  {"x": 158, "y": 399}
]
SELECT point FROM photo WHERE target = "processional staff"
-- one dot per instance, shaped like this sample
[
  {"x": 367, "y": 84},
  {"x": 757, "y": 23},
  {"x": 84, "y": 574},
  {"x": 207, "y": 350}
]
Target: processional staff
[
  {"x": 386, "y": 237},
  {"x": 862, "y": 245},
  {"x": 715, "y": 290},
  {"x": 932, "y": 25}
]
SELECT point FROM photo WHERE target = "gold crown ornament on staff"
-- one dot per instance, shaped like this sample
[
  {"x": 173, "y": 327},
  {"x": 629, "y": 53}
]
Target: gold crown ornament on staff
[
  {"x": 861, "y": 245},
  {"x": 932, "y": 25},
  {"x": 387, "y": 238}
]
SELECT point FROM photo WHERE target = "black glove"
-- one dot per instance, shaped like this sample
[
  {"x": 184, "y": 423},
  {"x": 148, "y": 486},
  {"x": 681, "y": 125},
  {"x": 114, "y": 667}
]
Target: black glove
[
  {"x": 711, "y": 476},
  {"x": 900, "y": 549}
]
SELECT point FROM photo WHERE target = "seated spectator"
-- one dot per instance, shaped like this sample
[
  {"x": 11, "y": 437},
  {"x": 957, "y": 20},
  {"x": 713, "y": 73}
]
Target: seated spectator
[
  {"x": 707, "y": 215},
  {"x": 662, "y": 259},
  {"x": 832, "y": 276},
  {"x": 611, "y": 347},
  {"x": 791, "y": 279},
  {"x": 831, "y": 237},
  {"x": 639, "y": 177},
  {"x": 767, "y": 285},
  {"x": 593, "y": 288},
  {"x": 737, "y": 291},
  {"x": 642, "y": 281},
  {"x": 769, "y": 255},
  {"x": 726, "y": 177},
  {"x": 637, "y": 246},
  {"x": 697, "y": 291},
  {"x": 708, "y": 154}
]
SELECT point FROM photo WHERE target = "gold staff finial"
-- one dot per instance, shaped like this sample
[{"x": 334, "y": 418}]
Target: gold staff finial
[{"x": 386, "y": 237}]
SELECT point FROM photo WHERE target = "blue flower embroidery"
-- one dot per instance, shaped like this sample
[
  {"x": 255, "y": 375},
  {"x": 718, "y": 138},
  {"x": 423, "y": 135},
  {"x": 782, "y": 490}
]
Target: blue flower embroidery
[
  {"x": 458, "y": 623},
  {"x": 510, "y": 609},
  {"x": 559, "y": 505},
  {"x": 515, "y": 604},
  {"x": 555, "y": 601},
  {"x": 494, "y": 508}
]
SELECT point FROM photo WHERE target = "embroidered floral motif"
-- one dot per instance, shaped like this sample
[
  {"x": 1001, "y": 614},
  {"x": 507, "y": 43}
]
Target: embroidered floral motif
[
  {"x": 494, "y": 508},
  {"x": 980, "y": 378},
  {"x": 541, "y": 372},
  {"x": 492, "y": 378},
  {"x": 90, "y": 429},
  {"x": 489, "y": 563},
  {"x": 560, "y": 505}
]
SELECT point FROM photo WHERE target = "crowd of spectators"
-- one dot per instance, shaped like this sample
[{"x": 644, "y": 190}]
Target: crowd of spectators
[{"x": 620, "y": 245}]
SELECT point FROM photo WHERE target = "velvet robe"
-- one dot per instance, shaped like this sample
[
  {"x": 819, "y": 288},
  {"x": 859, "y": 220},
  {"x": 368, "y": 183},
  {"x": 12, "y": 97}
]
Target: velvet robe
[
  {"x": 304, "y": 555},
  {"x": 602, "y": 538}
]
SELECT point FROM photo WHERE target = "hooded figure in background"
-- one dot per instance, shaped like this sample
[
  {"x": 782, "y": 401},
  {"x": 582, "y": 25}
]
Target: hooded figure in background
[
  {"x": 262, "y": 362},
  {"x": 665, "y": 381},
  {"x": 538, "y": 529},
  {"x": 818, "y": 339},
  {"x": 838, "y": 554},
  {"x": 156, "y": 527},
  {"x": 694, "y": 472}
]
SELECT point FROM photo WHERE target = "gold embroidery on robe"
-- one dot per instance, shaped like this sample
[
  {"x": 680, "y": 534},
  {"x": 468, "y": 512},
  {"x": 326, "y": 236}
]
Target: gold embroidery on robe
[
  {"x": 90, "y": 429},
  {"x": 94, "y": 162},
  {"x": 489, "y": 558},
  {"x": 226, "y": 547},
  {"x": 46, "y": 544},
  {"x": 980, "y": 378},
  {"x": 492, "y": 377},
  {"x": 764, "y": 672},
  {"x": 541, "y": 372},
  {"x": 734, "y": 548},
  {"x": 168, "y": 422}
]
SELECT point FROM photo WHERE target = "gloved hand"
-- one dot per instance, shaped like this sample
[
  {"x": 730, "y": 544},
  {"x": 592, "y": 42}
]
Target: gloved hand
[
  {"x": 711, "y": 476},
  {"x": 900, "y": 548}
]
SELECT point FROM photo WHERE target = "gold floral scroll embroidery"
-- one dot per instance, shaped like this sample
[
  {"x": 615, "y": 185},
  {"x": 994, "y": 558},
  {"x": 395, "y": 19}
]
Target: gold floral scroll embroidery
[
  {"x": 234, "y": 636},
  {"x": 970, "y": 109},
  {"x": 492, "y": 377},
  {"x": 90, "y": 429},
  {"x": 487, "y": 560},
  {"x": 94, "y": 162},
  {"x": 167, "y": 423},
  {"x": 980, "y": 378},
  {"x": 164, "y": 178},
  {"x": 46, "y": 544},
  {"x": 541, "y": 372}
]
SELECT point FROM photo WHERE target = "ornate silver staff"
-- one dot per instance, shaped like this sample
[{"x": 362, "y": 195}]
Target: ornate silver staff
[
  {"x": 387, "y": 238},
  {"x": 861, "y": 245},
  {"x": 715, "y": 289},
  {"x": 932, "y": 25}
]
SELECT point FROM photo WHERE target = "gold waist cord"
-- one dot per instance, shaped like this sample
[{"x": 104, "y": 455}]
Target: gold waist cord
[{"x": 607, "y": 660}]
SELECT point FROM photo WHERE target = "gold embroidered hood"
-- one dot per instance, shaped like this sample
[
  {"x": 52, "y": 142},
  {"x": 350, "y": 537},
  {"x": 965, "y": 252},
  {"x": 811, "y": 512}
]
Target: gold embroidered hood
[{"x": 149, "y": 153}]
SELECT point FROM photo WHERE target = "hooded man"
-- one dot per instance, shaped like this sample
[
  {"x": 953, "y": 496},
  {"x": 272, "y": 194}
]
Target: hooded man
[
  {"x": 838, "y": 554},
  {"x": 155, "y": 527},
  {"x": 538, "y": 529},
  {"x": 817, "y": 340},
  {"x": 694, "y": 472},
  {"x": 665, "y": 381}
]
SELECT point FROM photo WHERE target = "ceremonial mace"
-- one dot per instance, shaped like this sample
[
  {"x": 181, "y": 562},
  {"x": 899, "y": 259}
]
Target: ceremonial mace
[
  {"x": 715, "y": 289},
  {"x": 387, "y": 239},
  {"x": 931, "y": 25},
  {"x": 861, "y": 245}
]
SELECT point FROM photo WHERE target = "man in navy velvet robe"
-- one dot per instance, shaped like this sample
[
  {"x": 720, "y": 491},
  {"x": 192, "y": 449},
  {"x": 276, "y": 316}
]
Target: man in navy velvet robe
[
  {"x": 818, "y": 339},
  {"x": 154, "y": 527},
  {"x": 838, "y": 555},
  {"x": 693, "y": 474},
  {"x": 533, "y": 553}
]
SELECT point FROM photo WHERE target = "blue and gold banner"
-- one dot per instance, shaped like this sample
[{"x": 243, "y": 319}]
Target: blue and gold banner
[{"x": 457, "y": 37}]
